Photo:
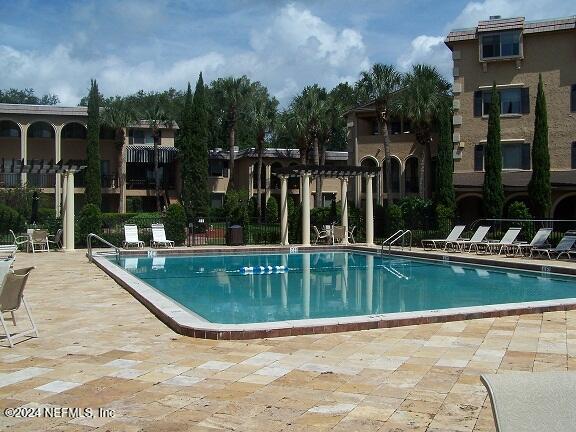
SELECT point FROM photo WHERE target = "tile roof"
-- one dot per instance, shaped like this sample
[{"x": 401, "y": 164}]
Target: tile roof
[{"x": 500, "y": 24}]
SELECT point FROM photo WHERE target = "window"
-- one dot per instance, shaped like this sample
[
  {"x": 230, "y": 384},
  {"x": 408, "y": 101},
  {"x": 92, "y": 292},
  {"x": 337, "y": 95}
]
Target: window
[
  {"x": 328, "y": 198},
  {"x": 140, "y": 136},
  {"x": 573, "y": 98},
  {"x": 74, "y": 131},
  {"x": 516, "y": 156},
  {"x": 512, "y": 101},
  {"x": 497, "y": 45},
  {"x": 218, "y": 168},
  {"x": 9, "y": 130},
  {"x": 573, "y": 155},
  {"x": 217, "y": 200},
  {"x": 41, "y": 130},
  {"x": 479, "y": 157},
  {"x": 375, "y": 127},
  {"x": 395, "y": 127}
]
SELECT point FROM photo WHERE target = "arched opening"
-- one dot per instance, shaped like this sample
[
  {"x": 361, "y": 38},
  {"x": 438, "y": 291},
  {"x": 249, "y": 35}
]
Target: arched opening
[
  {"x": 275, "y": 180},
  {"x": 293, "y": 182},
  {"x": 10, "y": 134},
  {"x": 469, "y": 208},
  {"x": 394, "y": 174},
  {"x": 565, "y": 209},
  {"x": 411, "y": 184},
  {"x": 41, "y": 146},
  {"x": 370, "y": 163}
]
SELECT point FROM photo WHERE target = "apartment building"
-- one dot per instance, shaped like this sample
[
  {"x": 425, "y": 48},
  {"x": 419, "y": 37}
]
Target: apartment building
[{"x": 512, "y": 53}]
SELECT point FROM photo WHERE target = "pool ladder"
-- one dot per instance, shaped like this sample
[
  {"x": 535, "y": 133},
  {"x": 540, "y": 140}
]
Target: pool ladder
[
  {"x": 90, "y": 255},
  {"x": 394, "y": 238}
]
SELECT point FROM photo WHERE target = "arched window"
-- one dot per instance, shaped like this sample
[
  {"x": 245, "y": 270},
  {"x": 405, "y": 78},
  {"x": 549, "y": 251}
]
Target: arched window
[
  {"x": 9, "y": 129},
  {"x": 394, "y": 174},
  {"x": 411, "y": 175},
  {"x": 370, "y": 163},
  {"x": 74, "y": 131}
]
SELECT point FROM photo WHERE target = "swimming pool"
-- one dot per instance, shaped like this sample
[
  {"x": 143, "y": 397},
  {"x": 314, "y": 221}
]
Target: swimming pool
[{"x": 274, "y": 287}]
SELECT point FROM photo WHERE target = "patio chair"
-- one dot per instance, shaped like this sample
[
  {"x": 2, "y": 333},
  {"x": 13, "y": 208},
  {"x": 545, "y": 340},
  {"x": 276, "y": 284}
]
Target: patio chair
[
  {"x": 351, "y": 235},
  {"x": 5, "y": 265},
  {"x": 539, "y": 241},
  {"x": 39, "y": 241},
  {"x": 506, "y": 242},
  {"x": 532, "y": 401},
  {"x": 564, "y": 247},
  {"x": 477, "y": 237},
  {"x": 338, "y": 234},
  {"x": 20, "y": 240},
  {"x": 56, "y": 239},
  {"x": 320, "y": 235},
  {"x": 11, "y": 298},
  {"x": 8, "y": 251},
  {"x": 431, "y": 244},
  {"x": 131, "y": 237},
  {"x": 159, "y": 237}
]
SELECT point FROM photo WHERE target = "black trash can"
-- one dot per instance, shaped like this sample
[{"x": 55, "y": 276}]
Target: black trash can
[{"x": 235, "y": 236}]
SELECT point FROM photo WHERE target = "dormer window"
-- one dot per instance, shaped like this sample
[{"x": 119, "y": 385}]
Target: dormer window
[{"x": 500, "y": 45}]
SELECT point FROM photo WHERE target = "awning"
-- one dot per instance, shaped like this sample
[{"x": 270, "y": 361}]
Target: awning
[
  {"x": 325, "y": 171},
  {"x": 33, "y": 166},
  {"x": 145, "y": 153}
]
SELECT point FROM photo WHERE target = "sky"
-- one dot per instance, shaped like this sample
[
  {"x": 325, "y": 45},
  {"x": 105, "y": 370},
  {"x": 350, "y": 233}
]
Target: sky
[{"x": 57, "y": 46}]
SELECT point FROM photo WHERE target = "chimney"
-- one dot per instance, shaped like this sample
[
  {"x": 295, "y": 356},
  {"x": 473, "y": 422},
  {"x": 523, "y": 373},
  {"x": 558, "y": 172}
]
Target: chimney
[{"x": 495, "y": 17}]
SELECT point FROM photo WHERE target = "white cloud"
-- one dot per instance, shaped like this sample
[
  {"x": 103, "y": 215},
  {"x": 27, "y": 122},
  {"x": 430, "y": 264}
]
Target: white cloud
[
  {"x": 427, "y": 49},
  {"x": 295, "y": 49}
]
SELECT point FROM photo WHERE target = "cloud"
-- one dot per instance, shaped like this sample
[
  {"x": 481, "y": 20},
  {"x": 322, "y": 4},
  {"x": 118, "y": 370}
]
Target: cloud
[
  {"x": 427, "y": 49},
  {"x": 293, "y": 49}
]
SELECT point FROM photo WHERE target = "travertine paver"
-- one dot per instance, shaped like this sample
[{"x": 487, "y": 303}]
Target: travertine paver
[{"x": 100, "y": 348}]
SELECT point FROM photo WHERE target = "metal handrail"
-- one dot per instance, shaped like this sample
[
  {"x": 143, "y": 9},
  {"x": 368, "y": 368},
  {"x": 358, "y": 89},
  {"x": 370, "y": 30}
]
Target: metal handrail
[
  {"x": 91, "y": 236},
  {"x": 401, "y": 236},
  {"x": 391, "y": 238},
  {"x": 545, "y": 222}
]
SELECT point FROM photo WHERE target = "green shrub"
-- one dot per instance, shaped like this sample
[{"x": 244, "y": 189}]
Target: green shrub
[
  {"x": 272, "y": 210},
  {"x": 134, "y": 204},
  {"x": 253, "y": 207},
  {"x": 519, "y": 210},
  {"x": 175, "y": 223},
  {"x": 111, "y": 220},
  {"x": 294, "y": 221},
  {"x": 19, "y": 199},
  {"x": 444, "y": 218},
  {"x": 416, "y": 212},
  {"x": 144, "y": 220},
  {"x": 394, "y": 218},
  {"x": 47, "y": 219},
  {"x": 236, "y": 207},
  {"x": 10, "y": 219},
  {"x": 89, "y": 221}
]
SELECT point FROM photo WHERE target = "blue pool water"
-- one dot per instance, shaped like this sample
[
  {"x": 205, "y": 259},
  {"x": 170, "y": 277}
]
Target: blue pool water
[{"x": 334, "y": 284}]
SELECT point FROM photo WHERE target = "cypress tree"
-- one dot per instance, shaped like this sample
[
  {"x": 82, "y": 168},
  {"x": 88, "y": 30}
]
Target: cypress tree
[
  {"x": 194, "y": 151},
  {"x": 539, "y": 186},
  {"x": 93, "y": 180},
  {"x": 493, "y": 190},
  {"x": 445, "y": 167}
]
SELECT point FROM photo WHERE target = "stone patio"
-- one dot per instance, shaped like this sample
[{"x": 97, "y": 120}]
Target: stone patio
[{"x": 99, "y": 347}]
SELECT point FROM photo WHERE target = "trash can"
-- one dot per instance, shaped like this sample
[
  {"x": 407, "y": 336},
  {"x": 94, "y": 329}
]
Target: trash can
[{"x": 235, "y": 236}]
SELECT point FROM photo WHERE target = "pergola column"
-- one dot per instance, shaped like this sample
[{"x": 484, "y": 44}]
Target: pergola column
[
  {"x": 369, "y": 211},
  {"x": 250, "y": 180},
  {"x": 64, "y": 178},
  {"x": 344, "y": 201},
  {"x": 69, "y": 211},
  {"x": 267, "y": 189},
  {"x": 305, "y": 209},
  {"x": 24, "y": 150},
  {"x": 57, "y": 158},
  {"x": 284, "y": 210}
]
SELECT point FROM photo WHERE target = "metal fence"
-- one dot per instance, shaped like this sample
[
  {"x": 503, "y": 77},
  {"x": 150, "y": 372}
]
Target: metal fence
[{"x": 218, "y": 231}]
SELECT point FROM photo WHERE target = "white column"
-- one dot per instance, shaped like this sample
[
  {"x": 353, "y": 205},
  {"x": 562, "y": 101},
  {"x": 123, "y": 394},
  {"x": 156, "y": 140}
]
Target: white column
[
  {"x": 284, "y": 210},
  {"x": 24, "y": 149},
  {"x": 268, "y": 182},
  {"x": 344, "y": 201},
  {"x": 369, "y": 282},
  {"x": 57, "y": 158},
  {"x": 251, "y": 181},
  {"x": 306, "y": 284},
  {"x": 369, "y": 212},
  {"x": 70, "y": 212},
  {"x": 305, "y": 209},
  {"x": 64, "y": 177}
]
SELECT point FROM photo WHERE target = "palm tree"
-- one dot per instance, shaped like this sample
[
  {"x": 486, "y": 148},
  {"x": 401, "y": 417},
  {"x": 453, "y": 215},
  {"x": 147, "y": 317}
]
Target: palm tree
[
  {"x": 263, "y": 113},
  {"x": 380, "y": 85},
  {"x": 118, "y": 115},
  {"x": 423, "y": 94},
  {"x": 157, "y": 118}
]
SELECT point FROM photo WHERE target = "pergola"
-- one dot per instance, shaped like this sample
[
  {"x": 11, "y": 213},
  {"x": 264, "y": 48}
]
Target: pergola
[
  {"x": 15, "y": 166},
  {"x": 306, "y": 173}
]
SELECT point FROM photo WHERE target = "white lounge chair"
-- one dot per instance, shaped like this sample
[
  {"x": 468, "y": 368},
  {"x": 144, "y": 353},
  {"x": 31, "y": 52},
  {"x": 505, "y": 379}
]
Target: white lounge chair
[
  {"x": 506, "y": 242},
  {"x": 532, "y": 401},
  {"x": 11, "y": 298},
  {"x": 431, "y": 244},
  {"x": 564, "y": 247},
  {"x": 320, "y": 235},
  {"x": 8, "y": 251},
  {"x": 131, "y": 237},
  {"x": 159, "y": 237},
  {"x": 477, "y": 237},
  {"x": 538, "y": 242}
]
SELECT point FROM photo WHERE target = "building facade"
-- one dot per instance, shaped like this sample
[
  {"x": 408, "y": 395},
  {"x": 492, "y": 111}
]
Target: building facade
[{"x": 512, "y": 53}]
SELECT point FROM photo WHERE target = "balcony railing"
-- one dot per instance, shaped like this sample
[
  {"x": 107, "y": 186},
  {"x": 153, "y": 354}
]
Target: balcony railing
[{"x": 147, "y": 184}]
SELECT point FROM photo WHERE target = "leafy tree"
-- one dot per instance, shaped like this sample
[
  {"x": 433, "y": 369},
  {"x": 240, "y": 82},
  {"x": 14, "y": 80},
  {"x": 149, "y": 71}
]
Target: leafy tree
[
  {"x": 175, "y": 221},
  {"x": 380, "y": 85},
  {"x": 492, "y": 189},
  {"x": 10, "y": 219},
  {"x": 272, "y": 210},
  {"x": 539, "y": 186},
  {"x": 93, "y": 193},
  {"x": 444, "y": 184},
  {"x": 118, "y": 115},
  {"x": 157, "y": 118},
  {"x": 424, "y": 93},
  {"x": 89, "y": 221},
  {"x": 27, "y": 96},
  {"x": 193, "y": 148}
]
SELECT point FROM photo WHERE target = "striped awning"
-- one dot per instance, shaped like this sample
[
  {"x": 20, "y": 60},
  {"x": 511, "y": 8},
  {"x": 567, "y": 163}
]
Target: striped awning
[
  {"x": 34, "y": 166},
  {"x": 145, "y": 154}
]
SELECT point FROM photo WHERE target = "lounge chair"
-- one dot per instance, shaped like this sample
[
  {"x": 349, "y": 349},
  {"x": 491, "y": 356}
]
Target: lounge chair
[
  {"x": 431, "y": 244},
  {"x": 39, "y": 241},
  {"x": 338, "y": 234},
  {"x": 506, "y": 242},
  {"x": 159, "y": 237},
  {"x": 5, "y": 265},
  {"x": 539, "y": 241},
  {"x": 8, "y": 251},
  {"x": 351, "y": 235},
  {"x": 532, "y": 401},
  {"x": 477, "y": 237},
  {"x": 11, "y": 298},
  {"x": 131, "y": 237},
  {"x": 320, "y": 235},
  {"x": 563, "y": 247}
]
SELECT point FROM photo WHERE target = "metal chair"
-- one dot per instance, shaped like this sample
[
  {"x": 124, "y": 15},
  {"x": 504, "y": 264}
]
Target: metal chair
[
  {"x": 39, "y": 241},
  {"x": 11, "y": 298},
  {"x": 351, "y": 234},
  {"x": 56, "y": 239},
  {"x": 20, "y": 240},
  {"x": 320, "y": 235}
]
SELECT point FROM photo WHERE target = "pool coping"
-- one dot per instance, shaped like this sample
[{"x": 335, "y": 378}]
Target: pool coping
[{"x": 185, "y": 322}]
